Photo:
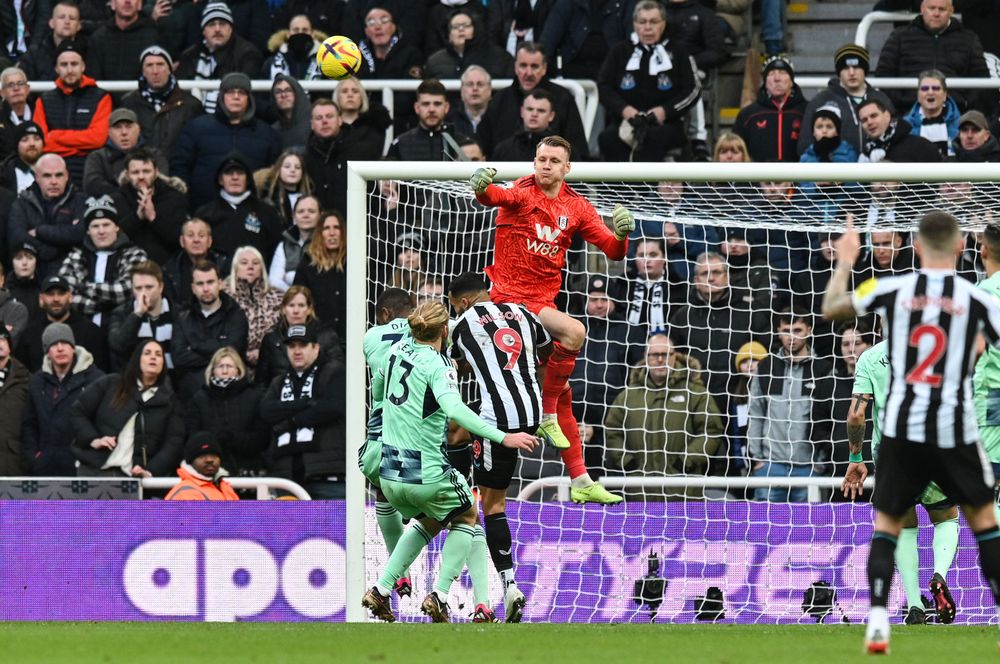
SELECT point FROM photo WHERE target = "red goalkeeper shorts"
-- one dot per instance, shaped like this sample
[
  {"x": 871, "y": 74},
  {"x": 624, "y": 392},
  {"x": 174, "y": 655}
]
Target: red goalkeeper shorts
[{"x": 533, "y": 305}]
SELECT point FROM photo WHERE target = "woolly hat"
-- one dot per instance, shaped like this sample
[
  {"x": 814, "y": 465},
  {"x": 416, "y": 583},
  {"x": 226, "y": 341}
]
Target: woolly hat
[
  {"x": 830, "y": 111},
  {"x": 158, "y": 51},
  {"x": 214, "y": 10},
  {"x": 56, "y": 332},
  {"x": 751, "y": 350},
  {"x": 100, "y": 208},
  {"x": 852, "y": 55},
  {"x": 25, "y": 128},
  {"x": 200, "y": 444},
  {"x": 778, "y": 62}
]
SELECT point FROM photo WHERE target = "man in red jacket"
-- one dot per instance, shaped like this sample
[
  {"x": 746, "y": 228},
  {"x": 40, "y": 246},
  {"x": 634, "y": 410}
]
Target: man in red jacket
[
  {"x": 201, "y": 472},
  {"x": 74, "y": 116}
]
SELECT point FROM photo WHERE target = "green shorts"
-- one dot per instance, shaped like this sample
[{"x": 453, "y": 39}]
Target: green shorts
[
  {"x": 441, "y": 500},
  {"x": 369, "y": 460}
]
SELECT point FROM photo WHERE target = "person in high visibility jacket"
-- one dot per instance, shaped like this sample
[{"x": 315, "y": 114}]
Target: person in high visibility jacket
[{"x": 201, "y": 472}]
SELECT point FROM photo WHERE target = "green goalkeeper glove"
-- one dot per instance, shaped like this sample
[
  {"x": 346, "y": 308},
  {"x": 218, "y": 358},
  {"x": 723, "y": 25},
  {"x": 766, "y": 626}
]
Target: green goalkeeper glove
[
  {"x": 622, "y": 221},
  {"x": 482, "y": 178}
]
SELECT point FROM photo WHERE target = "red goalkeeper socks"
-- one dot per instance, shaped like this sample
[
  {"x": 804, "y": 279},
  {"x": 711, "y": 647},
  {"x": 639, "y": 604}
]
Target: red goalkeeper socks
[
  {"x": 557, "y": 371},
  {"x": 572, "y": 457}
]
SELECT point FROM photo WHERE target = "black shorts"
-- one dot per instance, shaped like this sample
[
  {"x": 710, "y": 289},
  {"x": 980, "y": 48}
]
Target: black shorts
[
  {"x": 904, "y": 469},
  {"x": 493, "y": 464}
]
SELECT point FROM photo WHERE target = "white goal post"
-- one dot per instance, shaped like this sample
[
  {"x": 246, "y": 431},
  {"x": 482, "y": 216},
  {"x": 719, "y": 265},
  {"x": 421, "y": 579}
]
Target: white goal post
[{"x": 362, "y": 174}]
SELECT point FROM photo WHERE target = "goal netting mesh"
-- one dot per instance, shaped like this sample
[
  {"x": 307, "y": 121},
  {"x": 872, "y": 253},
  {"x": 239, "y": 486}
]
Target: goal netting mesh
[{"x": 661, "y": 428}]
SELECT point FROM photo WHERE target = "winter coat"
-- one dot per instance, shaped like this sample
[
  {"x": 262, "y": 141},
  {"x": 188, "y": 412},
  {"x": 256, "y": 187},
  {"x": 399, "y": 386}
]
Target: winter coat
[
  {"x": 401, "y": 62},
  {"x": 239, "y": 55},
  {"x": 770, "y": 131},
  {"x": 102, "y": 169},
  {"x": 196, "y": 337},
  {"x": 91, "y": 297},
  {"x": 159, "y": 427},
  {"x": 420, "y": 144},
  {"x": 273, "y": 359},
  {"x": 196, "y": 487},
  {"x": 281, "y": 63},
  {"x": 987, "y": 152},
  {"x": 8, "y": 140},
  {"x": 57, "y": 225},
  {"x": 675, "y": 90},
  {"x": 161, "y": 128},
  {"x": 113, "y": 53},
  {"x": 329, "y": 291},
  {"x": 519, "y": 147},
  {"x": 74, "y": 121},
  {"x": 261, "y": 307},
  {"x": 177, "y": 274},
  {"x": 253, "y": 222},
  {"x": 850, "y": 127},
  {"x": 500, "y": 18},
  {"x": 365, "y": 137},
  {"x": 601, "y": 371},
  {"x": 662, "y": 430},
  {"x": 13, "y": 315},
  {"x": 160, "y": 239},
  {"x": 48, "y": 426},
  {"x": 232, "y": 413},
  {"x": 445, "y": 62},
  {"x": 323, "y": 412},
  {"x": 951, "y": 115},
  {"x": 85, "y": 333},
  {"x": 13, "y": 395},
  {"x": 125, "y": 325},
  {"x": 39, "y": 63},
  {"x": 700, "y": 32},
  {"x": 904, "y": 147},
  {"x": 568, "y": 24},
  {"x": 24, "y": 291},
  {"x": 326, "y": 161},
  {"x": 503, "y": 118},
  {"x": 295, "y": 132}
]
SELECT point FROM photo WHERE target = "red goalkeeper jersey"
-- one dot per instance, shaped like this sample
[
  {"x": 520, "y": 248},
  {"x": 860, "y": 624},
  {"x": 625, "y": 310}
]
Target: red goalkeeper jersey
[{"x": 533, "y": 234}]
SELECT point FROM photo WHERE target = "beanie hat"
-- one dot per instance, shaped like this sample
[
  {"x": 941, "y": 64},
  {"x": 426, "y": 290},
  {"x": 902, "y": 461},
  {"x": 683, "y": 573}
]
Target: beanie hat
[
  {"x": 201, "y": 443},
  {"x": 830, "y": 111},
  {"x": 751, "y": 350},
  {"x": 100, "y": 208},
  {"x": 778, "y": 62},
  {"x": 214, "y": 10},
  {"x": 25, "y": 128},
  {"x": 852, "y": 55},
  {"x": 156, "y": 50},
  {"x": 55, "y": 333},
  {"x": 235, "y": 81},
  {"x": 70, "y": 45}
]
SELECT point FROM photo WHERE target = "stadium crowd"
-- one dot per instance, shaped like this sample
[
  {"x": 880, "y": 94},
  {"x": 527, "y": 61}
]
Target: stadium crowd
[{"x": 176, "y": 264}]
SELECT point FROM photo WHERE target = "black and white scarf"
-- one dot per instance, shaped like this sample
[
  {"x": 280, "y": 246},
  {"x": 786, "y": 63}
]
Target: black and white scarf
[
  {"x": 659, "y": 59},
  {"x": 157, "y": 98},
  {"x": 295, "y": 387},
  {"x": 657, "y": 298},
  {"x": 160, "y": 328},
  {"x": 875, "y": 149},
  {"x": 369, "y": 56},
  {"x": 3, "y": 375}
]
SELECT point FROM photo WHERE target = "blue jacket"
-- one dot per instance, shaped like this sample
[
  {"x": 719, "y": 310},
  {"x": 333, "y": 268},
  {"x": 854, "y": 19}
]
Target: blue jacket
[
  {"x": 845, "y": 153},
  {"x": 829, "y": 208},
  {"x": 951, "y": 115}
]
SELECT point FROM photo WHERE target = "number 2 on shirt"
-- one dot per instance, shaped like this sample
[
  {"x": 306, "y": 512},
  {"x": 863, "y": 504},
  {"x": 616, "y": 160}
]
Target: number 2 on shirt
[{"x": 922, "y": 372}]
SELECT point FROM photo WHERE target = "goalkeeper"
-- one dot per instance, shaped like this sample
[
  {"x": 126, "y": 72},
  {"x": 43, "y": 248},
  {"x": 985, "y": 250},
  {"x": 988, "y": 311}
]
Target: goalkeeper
[
  {"x": 421, "y": 394},
  {"x": 539, "y": 216},
  {"x": 871, "y": 380}
]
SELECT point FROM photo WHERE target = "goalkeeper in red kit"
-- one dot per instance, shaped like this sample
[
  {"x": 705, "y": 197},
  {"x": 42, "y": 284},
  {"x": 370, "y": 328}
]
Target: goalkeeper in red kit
[{"x": 539, "y": 216}]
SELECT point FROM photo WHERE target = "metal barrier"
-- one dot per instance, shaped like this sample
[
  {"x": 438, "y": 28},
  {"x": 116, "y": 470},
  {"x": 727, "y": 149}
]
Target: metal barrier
[
  {"x": 262, "y": 484},
  {"x": 871, "y": 18}
]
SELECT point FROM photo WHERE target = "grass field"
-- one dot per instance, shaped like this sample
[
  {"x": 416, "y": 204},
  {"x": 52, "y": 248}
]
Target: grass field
[{"x": 135, "y": 643}]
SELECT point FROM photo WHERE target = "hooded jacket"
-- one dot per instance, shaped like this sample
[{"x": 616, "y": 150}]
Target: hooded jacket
[
  {"x": 91, "y": 297},
  {"x": 850, "y": 127},
  {"x": 13, "y": 394},
  {"x": 294, "y": 132},
  {"x": 195, "y": 486},
  {"x": 48, "y": 428},
  {"x": 771, "y": 131},
  {"x": 232, "y": 413},
  {"x": 57, "y": 224},
  {"x": 161, "y": 128}
]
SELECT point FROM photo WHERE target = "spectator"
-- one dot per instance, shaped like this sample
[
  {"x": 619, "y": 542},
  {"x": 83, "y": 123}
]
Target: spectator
[
  {"x": 48, "y": 213},
  {"x": 305, "y": 410},
  {"x": 854, "y": 337},
  {"x": 208, "y": 140},
  {"x": 649, "y": 297},
  {"x": 100, "y": 271},
  {"x": 935, "y": 115},
  {"x": 809, "y": 286},
  {"x": 17, "y": 172},
  {"x": 410, "y": 268},
  {"x": 201, "y": 472},
  {"x": 237, "y": 216},
  {"x": 886, "y": 257},
  {"x": 888, "y": 138},
  {"x": 15, "y": 109},
  {"x": 323, "y": 272},
  {"x": 67, "y": 370},
  {"x": 664, "y": 423},
  {"x": 39, "y": 62},
  {"x": 502, "y": 116},
  {"x": 129, "y": 423},
  {"x": 115, "y": 47},
  {"x": 827, "y": 145},
  {"x": 22, "y": 280},
  {"x": 384, "y": 55},
  {"x": 284, "y": 183},
  {"x": 475, "y": 95},
  {"x": 933, "y": 40},
  {"x": 327, "y": 155},
  {"x": 74, "y": 116},
  {"x": 431, "y": 290},
  {"x": 848, "y": 90},
  {"x": 439, "y": 33},
  {"x": 434, "y": 139},
  {"x": 747, "y": 273},
  {"x": 748, "y": 358},
  {"x": 772, "y": 124},
  {"x": 471, "y": 148},
  {"x": 294, "y": 51},
  {"x": 579, "y": 34},
  {"x": 730, "y": 149},
  {"x": 220, "y": 52},
  {"x": 212, "y": 321},
  {"x": 228, "y": 405},
  {"x": 513, "y": 22},
  {"x": 153, "y": 206},
  {"x": 288, "y": 256},
  {"x": 103, "y": 168},
  {"x": 248, "y": 285},
  {"x": 13, "y": 394},
  {"x": 325, "y": 16},
  {"x": 54, "y": 307},
  {"x": 292, "y": 107},
  {"x": 789, "y": 430},
  {"x": 196, "y": 246},
  {"x": 363, "y": 121},
  {"x": 162, "y": 107},
  {"x": 536, "y": 118},
  {"x": 296, "y": 309},
  {"x": 468, "y": 44},
  {"x": 13, "y": 314},
  {"x": 975, "y": 143},
  {"x": 149, "y": 315}
]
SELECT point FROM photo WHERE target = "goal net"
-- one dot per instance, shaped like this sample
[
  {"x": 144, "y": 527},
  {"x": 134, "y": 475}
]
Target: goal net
[{"x": 730, "y": 481}]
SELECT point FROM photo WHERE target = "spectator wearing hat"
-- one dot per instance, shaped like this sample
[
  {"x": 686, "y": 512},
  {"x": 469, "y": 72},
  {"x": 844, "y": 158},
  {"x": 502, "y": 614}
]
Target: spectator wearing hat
[
  {"x": 935, "y": 115},
  {"x": 161, "y": 106},
  {"x": 48, "y": 213},
  {"x": 827, "y": 145},
  {"x": 201, "y": 472},
  {"x": 888, "y": 138},
  {"x": 13, "y": 314},
  {"x": 17, "y": 171},
  {"x": 305, "y": 409},
  {"x": 747, "y": 358},
  {"x": 74, "y": 116},
  {"x": 55, "y": 306},
  {"x": 221, "y": 51},
  {"x": 771, "y": 125},
  {"x": 148, "y": 315},
  {"x": 103, "y": 168},
  {"x": 64, "y": 25},
  {"x": 647, "y": 84},
  {"x": 207, "y": 141},
  {"x": 67, "y": 370},
  {"x": 22, "y": 279},
  {"x": 975, "y": 143},
  {"x": 13, "y": 395},
  {"x": 114, "y": 49},
  {"x": 848, "y": 89},
  {"x": 15, "y": 109}
]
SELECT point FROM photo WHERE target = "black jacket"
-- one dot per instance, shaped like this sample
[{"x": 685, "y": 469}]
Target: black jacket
[
  {"x": 329, "y": 291},
  {"x": 113, "y": 53},
  {"x": 57, "y": 225},
  {"x": 700, "y": 31},
  {"x": 772, "y": 132},
  {"x": 601, "y": 372},
  {"x": 232, "y": 413},
  {"x": 103, "y": 168},
  {"x": 273, "y": 359},
  {"x": 988, "y": 151},
  {"x": 195, "y": 339},
  {"x": 850, "y": 127},
  {"x": 177, "y": 274},
  {"x": 503, "y": 118},
  {"x": 421, "y": 144},
  {"x": 161, "y": 128},
  {"x": 326, "y": 160},
  {"x": 86, "y": 334},
  {"x": 253, "y": 222},
  {"x": 124, "y": 328},
  {"x": 568, "y": 26},
  {"x": 676, "y": 89},
  {"x": 39, "y": 63},
  {"x": 159, "y": 427},
  {"x": 444, "y": 62},
  {"x": 8, "y": 140},
  {"x": 905, "y": 147},
  {"x": 13, "y": 395},
  {"x": 519, "y": 147},
  {"x": 239, "y": 55},
  {"x": 159, "y": 238}
]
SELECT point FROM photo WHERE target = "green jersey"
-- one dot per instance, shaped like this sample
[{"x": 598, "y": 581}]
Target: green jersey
[
  {"x": 871, "y": 376},
  {"x": 378, "y": 341},
  {"x": 986, "y": 383}
]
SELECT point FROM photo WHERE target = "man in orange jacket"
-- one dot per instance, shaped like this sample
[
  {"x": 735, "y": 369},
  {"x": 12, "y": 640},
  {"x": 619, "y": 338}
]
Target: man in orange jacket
[{"x": 201, "y": 472}]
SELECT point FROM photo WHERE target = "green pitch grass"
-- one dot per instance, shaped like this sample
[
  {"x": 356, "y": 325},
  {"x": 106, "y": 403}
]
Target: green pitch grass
[{"x": 180, "y": 643}]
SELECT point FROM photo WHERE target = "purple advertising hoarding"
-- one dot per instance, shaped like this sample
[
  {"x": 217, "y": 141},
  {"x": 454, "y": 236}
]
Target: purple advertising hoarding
[{"x": 282, "y": 561}]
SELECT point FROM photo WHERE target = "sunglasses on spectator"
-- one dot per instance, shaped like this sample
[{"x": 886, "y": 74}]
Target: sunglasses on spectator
[{"x": 930, "y": 88}]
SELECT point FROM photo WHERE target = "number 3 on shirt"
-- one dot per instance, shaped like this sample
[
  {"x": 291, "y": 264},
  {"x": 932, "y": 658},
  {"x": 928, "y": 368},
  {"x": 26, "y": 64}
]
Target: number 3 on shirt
[
  {"x": 509, "y": 341},
  {"x": 922, "y": 372}
]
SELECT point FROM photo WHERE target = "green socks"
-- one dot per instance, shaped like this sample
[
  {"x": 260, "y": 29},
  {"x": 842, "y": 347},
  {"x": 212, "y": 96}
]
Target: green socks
[
  {"x": 479, "y": 567},
  {"x": 390, "y": 523},
  {"x": 453, "y": 556},
  {"x": 945, "y": 545},
  {"x": 908, "y": 562},
  {"x": 405, "y": 552}
]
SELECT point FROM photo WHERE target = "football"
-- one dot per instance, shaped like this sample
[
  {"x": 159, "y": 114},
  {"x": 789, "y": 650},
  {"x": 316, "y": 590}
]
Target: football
[{"x": 339, "y": 58}]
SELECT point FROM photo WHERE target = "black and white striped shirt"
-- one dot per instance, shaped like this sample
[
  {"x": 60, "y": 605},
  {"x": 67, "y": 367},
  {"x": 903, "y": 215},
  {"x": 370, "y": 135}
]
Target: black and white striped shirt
[
  {"x": 931, "y": 320},
  {"x": 499, "y": 341}
]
